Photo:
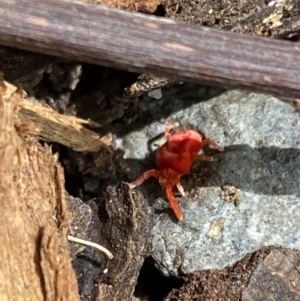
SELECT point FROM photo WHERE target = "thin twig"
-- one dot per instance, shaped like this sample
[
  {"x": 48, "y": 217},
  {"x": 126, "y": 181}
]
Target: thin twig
[
  {"x": 160, "y": 46},
  {"x": 91, "y": 244}
]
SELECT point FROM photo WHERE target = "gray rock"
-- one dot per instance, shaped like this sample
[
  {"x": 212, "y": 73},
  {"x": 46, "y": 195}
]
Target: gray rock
[
  {"x": 261, "y": 163},
  {"x": 155, "y": 94}
]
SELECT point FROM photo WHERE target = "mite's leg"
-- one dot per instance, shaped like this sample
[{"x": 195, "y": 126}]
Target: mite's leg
[
  {"x": 170, "y": 127},
  {"x": 204, "y": 158},
  {"x": 173, "y": 203},
  {"x": 213, "y": 144},
  {"x": 146, "y": 175},
  {"x": 180, "y": 189}
]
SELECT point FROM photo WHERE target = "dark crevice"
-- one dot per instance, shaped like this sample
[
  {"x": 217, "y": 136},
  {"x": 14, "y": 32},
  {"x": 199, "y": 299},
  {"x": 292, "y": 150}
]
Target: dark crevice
[{"x": 153, "y": 284}]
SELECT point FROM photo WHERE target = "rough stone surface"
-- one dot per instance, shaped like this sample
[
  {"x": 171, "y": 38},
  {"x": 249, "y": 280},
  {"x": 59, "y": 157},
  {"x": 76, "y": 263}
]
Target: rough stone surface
[
  {"x": 82, "y": 215},
  {"x": 261, "y": 161},
  {"x": 275, "y": 279}
]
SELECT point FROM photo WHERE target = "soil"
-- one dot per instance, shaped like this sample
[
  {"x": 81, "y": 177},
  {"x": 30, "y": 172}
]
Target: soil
[{"x": 112, "y": 98}]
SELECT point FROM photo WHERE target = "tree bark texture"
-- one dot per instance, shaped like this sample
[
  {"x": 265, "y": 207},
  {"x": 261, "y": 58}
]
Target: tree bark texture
[{"x": 143, "y": 43}]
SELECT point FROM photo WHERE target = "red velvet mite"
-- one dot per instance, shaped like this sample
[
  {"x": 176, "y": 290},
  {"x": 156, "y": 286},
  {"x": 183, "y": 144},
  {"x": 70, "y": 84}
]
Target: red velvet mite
[{"x": 174, "y": 159}]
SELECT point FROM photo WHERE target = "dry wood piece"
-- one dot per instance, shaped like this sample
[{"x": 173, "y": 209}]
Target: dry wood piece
[
  {"x": 152, "y": 45},
  {"x": 34, "y": 257},
  {"x": 63, "y": 129}
]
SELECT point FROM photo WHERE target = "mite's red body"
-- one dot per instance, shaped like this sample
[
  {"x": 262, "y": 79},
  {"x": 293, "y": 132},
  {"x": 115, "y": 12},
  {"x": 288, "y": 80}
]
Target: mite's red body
[
  {"x": 174, "y": 159},
  {"x": 179, "y": 151}
]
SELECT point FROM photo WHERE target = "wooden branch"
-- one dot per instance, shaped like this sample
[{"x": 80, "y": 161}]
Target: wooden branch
[
  {"x": 63, "y": 129},
  {"x": 40, "y": 120},
  {"x": 144, "y": 43}
]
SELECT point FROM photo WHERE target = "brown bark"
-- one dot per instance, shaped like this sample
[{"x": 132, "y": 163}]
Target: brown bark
[
  {"x": 127, "y": 233},
  {"x": 34, "y": 257},
  {"x": 160, "y": 46}
]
